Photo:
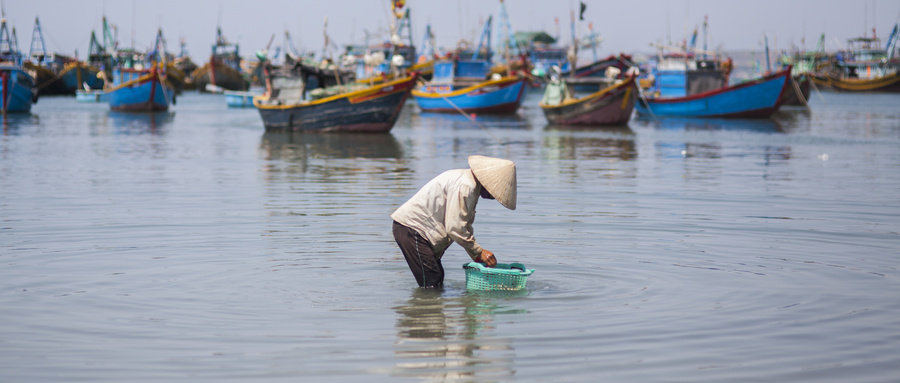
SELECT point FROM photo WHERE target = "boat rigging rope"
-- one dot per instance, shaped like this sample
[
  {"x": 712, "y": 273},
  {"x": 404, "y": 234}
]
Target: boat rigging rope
[
  {"x": 643, "y": 96},
  {"x": 799, "y": 92},
  {"x": 162, "y": 86},
  {"x": 816, "y": 88}
]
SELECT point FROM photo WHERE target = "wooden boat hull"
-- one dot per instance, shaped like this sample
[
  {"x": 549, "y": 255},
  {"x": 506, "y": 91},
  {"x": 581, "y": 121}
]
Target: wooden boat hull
[
  {"x": 889, "y": 83},
  {"x": 610, "y": 106},
  {"x": 503, "y": 96},
  {"x": 16, "y": 90},
  {"x": 754, "y": 99},
  {"x": 791, "y": 97},
  {"x": 371, "y": 110},
  {"x": 76, "y": 74},
  {"x": 146, "y": 93},
  {"x": 46, "y": 82},
  {"x": 220, "y": 75}
]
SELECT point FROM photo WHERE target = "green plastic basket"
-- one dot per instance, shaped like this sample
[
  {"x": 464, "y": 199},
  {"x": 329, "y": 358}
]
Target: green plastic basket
[{"x": 504, "y": 276}]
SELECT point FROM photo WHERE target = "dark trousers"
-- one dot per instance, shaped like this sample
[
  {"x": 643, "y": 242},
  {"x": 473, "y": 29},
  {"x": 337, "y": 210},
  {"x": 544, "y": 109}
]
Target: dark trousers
[{"x": 423, "y": 262}]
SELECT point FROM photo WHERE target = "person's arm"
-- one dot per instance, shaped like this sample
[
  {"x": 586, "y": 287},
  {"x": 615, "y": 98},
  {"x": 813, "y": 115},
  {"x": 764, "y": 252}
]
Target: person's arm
[{"x": 460, "y": 213}]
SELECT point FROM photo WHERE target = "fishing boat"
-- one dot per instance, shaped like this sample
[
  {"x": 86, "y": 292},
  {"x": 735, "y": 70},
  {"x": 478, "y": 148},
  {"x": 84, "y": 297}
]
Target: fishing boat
[
  {"x": 290, "y": 105},
  {"x": 78, "y": 75},
  {"x": 543, "y": 53},
  {"x": 804, "y": 66},
  {"x": 184, "y": 63},
  {"x": 611, "y": 105},
  {"x": 691, "y": 82},
  {"x": 461, "y": 84},
  {"x": 496, "y": 96},
  {"x": 174, "y": 75},
  {"x": 865, "y": 67},
  {"x": 17, "y": 92},
  {"x": 59, "y": 74},
  {"x": 101, "y": 55},
  {"x": 223, "y": 71},
  {"x": 394, "y": 58},
  {"x": 598, "y": 68},
  {"x": 45, "y": 66},
  {"x": 16, "y": 89},
  {"x": 796, "y": 93},
  {"x": 756, "y": 98},
  {"x": 140, "y": 90},
  {"x": 596, "y": 71}
]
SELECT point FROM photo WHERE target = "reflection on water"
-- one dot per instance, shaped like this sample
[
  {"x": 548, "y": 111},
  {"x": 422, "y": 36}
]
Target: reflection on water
[
  {"x": 329, "y": 157},
  {"x": 213, "y": 251},
  {"x": 463, "y": 122},
  {"x": 595, "y": 142},
  {"x": 297, "y": 146},
  {"x": 449, "y": 338},
  {"x": 759, "y": 125},
  {"x": 12, "y": 122},
  {"x": 140, "y": 123},
  {"x": 603, "y": 152}
]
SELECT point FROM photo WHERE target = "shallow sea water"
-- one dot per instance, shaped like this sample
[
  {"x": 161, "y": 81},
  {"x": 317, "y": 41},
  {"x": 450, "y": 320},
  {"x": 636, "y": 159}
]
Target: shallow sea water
[{"x": 194, "y": 246}]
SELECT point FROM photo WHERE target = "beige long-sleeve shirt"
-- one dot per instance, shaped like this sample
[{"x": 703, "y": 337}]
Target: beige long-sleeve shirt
[{"x": 443, "y": 211}]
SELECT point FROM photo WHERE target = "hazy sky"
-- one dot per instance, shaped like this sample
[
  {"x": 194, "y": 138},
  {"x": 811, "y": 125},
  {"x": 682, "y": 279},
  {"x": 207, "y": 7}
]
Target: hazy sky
[{"x": 626, "y": 26}]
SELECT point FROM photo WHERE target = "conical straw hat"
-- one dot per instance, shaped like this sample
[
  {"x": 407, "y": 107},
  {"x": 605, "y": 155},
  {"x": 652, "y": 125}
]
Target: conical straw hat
[{"x": 498, "y": 176}]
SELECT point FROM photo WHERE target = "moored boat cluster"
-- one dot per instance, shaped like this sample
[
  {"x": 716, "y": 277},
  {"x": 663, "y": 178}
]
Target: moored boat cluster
[{"x": 365, "y": 89}]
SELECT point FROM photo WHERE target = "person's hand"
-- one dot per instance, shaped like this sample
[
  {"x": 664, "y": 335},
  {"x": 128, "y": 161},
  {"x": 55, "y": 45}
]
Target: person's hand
[{"x": 487, "y": 258}]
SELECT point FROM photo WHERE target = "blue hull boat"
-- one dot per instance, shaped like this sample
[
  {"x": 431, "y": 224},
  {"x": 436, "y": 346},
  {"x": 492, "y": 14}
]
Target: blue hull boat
[
  {"x": 16, "y": 90},
  {"x": 78, "y": 75},
  {"x": 758, "y": 98},
  {"x": 136, "y": 90},
  {"x": 503, "y": 96},
  {"x": 464, "y": 84}
]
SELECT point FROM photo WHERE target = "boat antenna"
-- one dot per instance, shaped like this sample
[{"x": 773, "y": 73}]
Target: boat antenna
[
  {"x": 133, "y": 17},
  {"x": 705, "y": 34}
]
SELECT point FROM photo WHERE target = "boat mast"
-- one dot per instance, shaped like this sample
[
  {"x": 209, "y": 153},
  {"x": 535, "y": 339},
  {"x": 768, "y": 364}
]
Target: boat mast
[
  {"x": 8, "y": 51},
  {"x": 892, "y": 41},
  {"x": 573, "y": 50},
  {"x": 37, "y": 38},
  {"x": 706, "y": 34},
  {"x": 509, "y": 43}
]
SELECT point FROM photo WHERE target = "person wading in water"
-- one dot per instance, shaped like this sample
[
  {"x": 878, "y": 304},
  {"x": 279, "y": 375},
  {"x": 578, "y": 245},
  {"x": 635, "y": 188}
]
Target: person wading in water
[{"x": 442, "y": 212}]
